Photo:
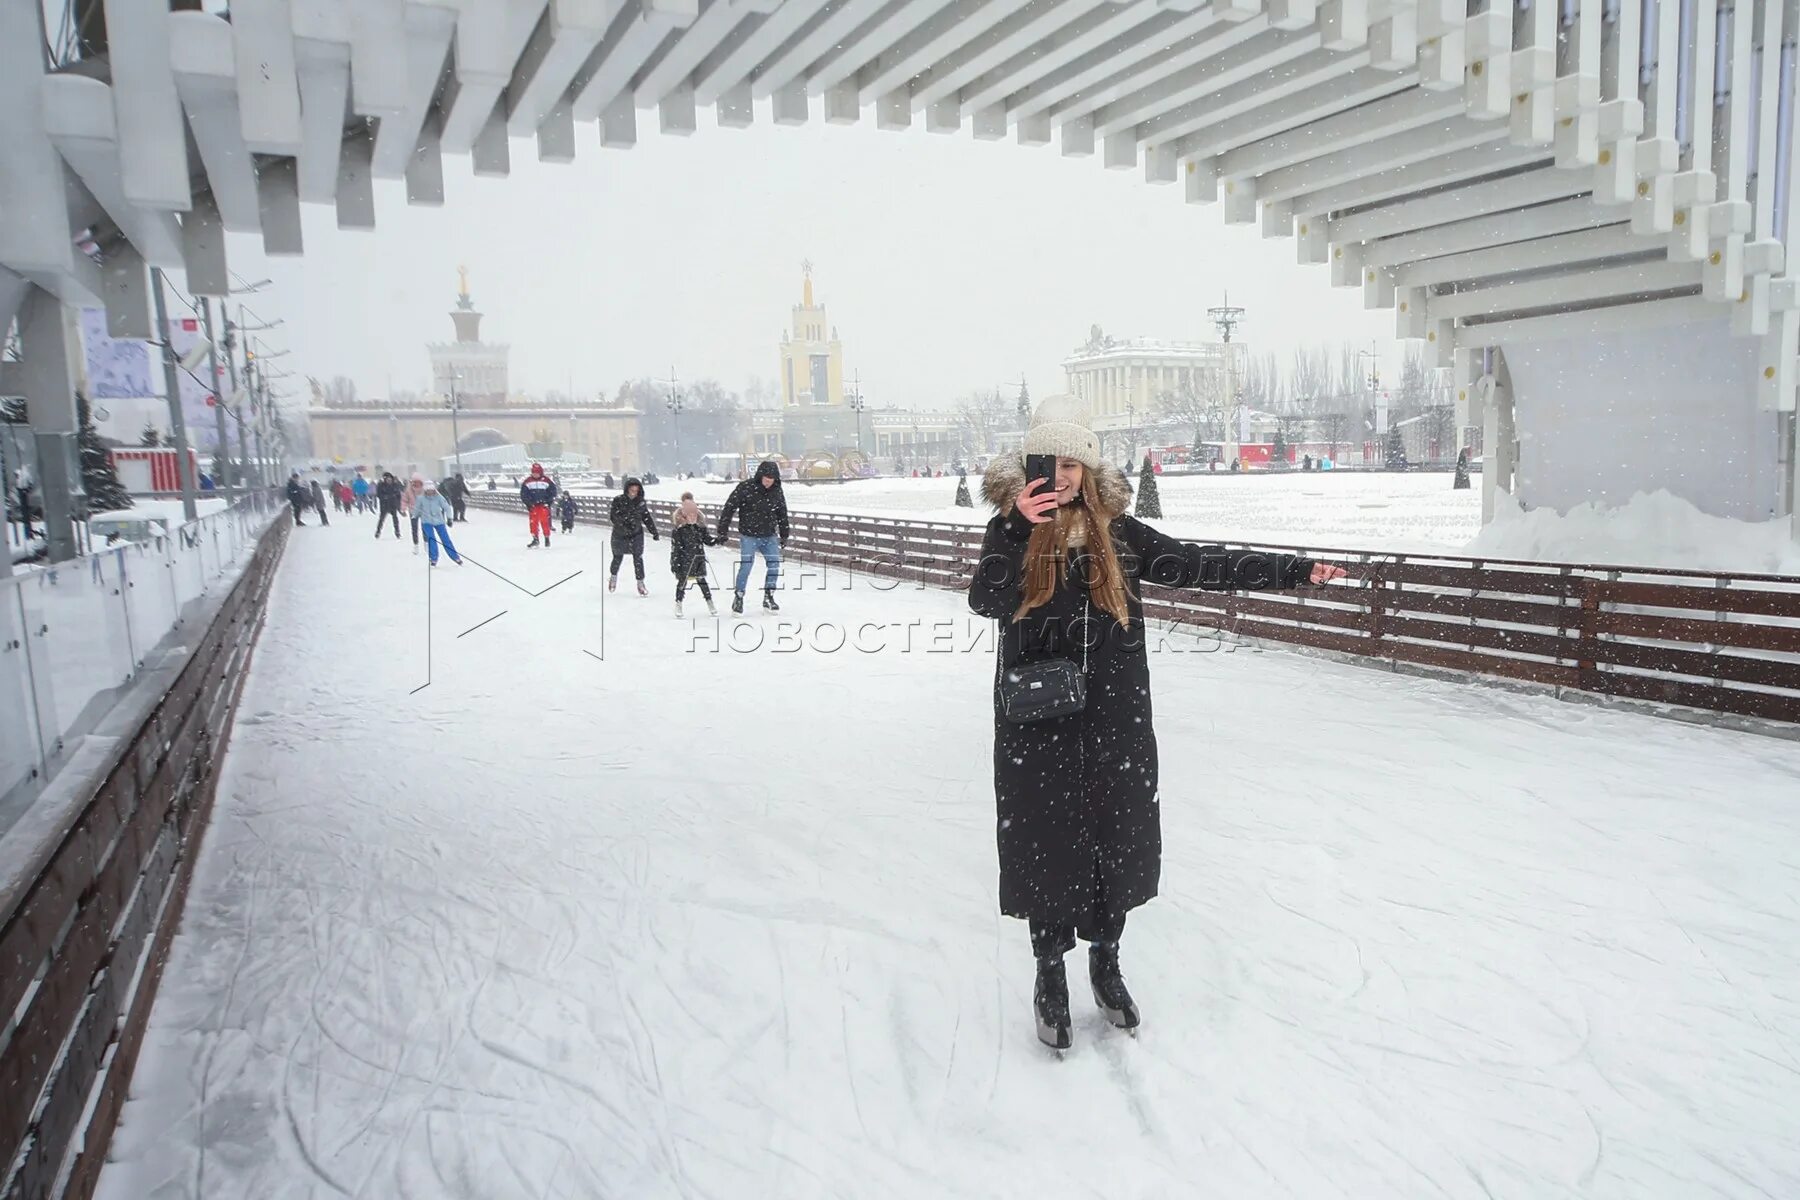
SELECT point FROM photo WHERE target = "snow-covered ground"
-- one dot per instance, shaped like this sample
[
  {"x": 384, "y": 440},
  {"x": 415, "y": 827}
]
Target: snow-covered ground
[
  {"x": 1368, "y": 510},
  {"x": 1343, "y": 509},
  {"x": 711, "y": 919}
]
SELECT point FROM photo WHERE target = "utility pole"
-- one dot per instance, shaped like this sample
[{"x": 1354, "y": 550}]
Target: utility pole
[
  {"x": 212, "y": 360},
  {"x": 237, "y": 405},
  {"x": 172, "y": 384}
]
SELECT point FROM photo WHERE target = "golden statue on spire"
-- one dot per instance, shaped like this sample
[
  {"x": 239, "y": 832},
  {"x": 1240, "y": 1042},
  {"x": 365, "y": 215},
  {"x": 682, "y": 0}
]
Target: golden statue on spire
[
  {"x": 806, "y": 272},
  {"x": 462, "y": 282}
]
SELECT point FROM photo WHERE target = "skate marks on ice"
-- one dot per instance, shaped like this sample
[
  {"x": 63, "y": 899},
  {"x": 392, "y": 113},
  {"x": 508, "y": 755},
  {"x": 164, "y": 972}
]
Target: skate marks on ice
[{"x": 652, "y": 933}]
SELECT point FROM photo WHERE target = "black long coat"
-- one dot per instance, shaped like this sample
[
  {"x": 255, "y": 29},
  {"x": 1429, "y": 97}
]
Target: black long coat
[{"x": 1078, "y": 823}]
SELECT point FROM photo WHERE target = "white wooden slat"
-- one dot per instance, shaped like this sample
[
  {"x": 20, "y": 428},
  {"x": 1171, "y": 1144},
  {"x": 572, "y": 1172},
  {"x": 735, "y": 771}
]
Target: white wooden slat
[
  {"x": 1566, "y": 250},
  {"x": 1149, "y": 43},
  {"x": 557, "y": 50},
  {"x": 152, "y": 137},
  {"x": 1360, "y": 162},
  {"x": 267, "y": 75},
  {"x": 1573, "y": 290},
  {"x": 1240, "y": 58},
  {"x": 1017, "y": 32},
  {"x": 481, "y": 66},
  {"x": 717, "y": 20},
  {"x": 1450, "y": 168},
  {"x": 1564, "y": 216},
  {"x": 80, "y": 119},
  {"x": 202, "y": 56},
  {"x": 1590, "y": 323},
  {"x": 1078, "y": 38},
  {"x": 1316, "y": 86},
  {"x": 429, "y": 31},
  {"x": 324, "y": 72},
  {"x": 604, "y": 78},
  {"x": 834, "y": 27},
  {"x": 1340, "y": 133},
  {"x": 731, "y": 66},
  {"x": 1458, "y": 203}
]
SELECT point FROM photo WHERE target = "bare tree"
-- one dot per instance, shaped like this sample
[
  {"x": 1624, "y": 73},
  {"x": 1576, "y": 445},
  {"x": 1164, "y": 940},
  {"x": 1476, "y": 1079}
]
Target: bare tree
[
  {"x": 1203, "y": 412},
  {"x": 340, "y": 392},
  {"x": 984, "y": 414}
]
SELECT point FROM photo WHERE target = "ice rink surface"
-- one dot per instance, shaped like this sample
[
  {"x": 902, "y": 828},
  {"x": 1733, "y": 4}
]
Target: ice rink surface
[{"x": 621, "y": 906}]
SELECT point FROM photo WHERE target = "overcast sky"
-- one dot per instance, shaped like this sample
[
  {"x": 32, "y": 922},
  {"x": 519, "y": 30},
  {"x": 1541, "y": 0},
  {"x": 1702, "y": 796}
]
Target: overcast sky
[{"x": 946, "y": 264}]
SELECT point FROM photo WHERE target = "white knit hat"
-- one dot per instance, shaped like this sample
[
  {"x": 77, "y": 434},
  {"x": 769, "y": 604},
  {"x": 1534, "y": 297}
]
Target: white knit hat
[{"x": 1060, "y": 427}]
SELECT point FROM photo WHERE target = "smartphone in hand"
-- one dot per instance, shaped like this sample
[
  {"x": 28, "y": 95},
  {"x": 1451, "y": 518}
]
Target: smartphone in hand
[{"x": 1039, "y": 466}]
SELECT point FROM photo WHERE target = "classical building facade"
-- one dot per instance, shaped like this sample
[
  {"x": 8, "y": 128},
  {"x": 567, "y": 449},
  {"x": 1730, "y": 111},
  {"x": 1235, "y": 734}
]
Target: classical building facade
[
  {"x": 413, "y": 436},
  {"x": 1124, "y": 381}
]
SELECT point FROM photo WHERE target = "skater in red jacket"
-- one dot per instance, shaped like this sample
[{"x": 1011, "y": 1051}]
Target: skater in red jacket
[{"x": 538, "y": 492}]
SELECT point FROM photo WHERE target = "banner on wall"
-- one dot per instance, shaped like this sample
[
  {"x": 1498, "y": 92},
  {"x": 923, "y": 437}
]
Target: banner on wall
[{"x": 130, "y": 369}]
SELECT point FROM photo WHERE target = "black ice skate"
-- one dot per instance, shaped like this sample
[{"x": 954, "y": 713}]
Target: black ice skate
[
  {"x": 532, "y": 545},
  {"x": 1051, "y": 1002},
  {"x": 1109, "y": 986},
  {"x": 769, "y": 601},
  {"x": 737, "y": 603}
]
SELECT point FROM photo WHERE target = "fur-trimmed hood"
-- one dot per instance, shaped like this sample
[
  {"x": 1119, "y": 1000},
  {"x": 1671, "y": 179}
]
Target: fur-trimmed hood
[{"x": 1005, "y": 479}]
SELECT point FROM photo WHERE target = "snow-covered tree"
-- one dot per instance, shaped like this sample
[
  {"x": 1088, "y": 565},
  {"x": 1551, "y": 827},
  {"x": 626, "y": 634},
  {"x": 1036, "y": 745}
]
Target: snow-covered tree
[
  {"x": 1149, "y": 503},
  {"x": 151, "y": 435},
  {"x": 99, "y": 479}
]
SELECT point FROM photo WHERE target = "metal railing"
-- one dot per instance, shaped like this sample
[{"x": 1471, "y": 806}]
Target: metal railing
[
  {"x": 1701, "y": 640},
  {"x": 74, "y": 634}
]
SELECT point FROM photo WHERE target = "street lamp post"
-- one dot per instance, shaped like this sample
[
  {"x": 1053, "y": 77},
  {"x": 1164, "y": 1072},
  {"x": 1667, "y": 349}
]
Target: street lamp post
[
  {"x": 674, "y": 403},
  {"x": 856, "y": 406},
  {"x": 455, "y": 405}
]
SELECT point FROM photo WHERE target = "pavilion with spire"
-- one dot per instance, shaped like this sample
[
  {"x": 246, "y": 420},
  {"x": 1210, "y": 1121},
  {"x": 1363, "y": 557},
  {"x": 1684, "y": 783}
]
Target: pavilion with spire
[
  {"x": 812, "y": 358},
  {"x": 474, "y": 370}
]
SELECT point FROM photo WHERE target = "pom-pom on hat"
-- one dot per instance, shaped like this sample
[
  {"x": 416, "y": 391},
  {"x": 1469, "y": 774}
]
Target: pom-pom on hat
[{"x": 1060, "y": 427}]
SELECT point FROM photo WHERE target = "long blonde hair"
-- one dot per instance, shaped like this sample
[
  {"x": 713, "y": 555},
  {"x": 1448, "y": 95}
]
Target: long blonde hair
[{"x": 1086, "y": 525}]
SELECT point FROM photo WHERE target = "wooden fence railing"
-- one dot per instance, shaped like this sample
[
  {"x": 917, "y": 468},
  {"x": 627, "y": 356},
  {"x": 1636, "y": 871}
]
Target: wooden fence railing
[
  {"x": 86, "y": 921},
  {"x": 1727, "y": 643}
]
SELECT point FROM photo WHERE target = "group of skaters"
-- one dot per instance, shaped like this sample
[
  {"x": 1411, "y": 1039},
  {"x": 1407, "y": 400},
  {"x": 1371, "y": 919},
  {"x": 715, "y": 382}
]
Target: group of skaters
[
  {"x": 430, "y": 508},
  {"x": 758, "y": 504}
]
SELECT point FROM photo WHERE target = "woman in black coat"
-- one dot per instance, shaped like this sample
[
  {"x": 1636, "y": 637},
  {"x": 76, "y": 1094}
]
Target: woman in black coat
[
  {"x": 630, "y": 517},
  {"x": 1079, "y": 830}
]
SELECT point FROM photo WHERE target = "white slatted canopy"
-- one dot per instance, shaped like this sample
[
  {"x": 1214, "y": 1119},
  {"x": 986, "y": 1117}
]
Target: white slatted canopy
[{"x": 1412, "y": 144}]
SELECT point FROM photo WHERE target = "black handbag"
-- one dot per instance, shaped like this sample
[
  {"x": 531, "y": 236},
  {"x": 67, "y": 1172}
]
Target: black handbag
[{"x": 1038, "y": 691}]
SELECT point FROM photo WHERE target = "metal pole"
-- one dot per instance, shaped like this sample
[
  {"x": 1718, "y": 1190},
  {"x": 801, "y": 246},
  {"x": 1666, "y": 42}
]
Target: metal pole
[
  {"x": 237, "y": 410},
  {"x": 212, "y": 358},
  {"x": 172, "y": 384},
  {"x": 455, "y": 428}
]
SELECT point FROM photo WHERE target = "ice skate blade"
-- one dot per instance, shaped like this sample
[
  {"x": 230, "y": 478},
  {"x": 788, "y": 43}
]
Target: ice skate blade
[{"x": 1119, "y": 1018}]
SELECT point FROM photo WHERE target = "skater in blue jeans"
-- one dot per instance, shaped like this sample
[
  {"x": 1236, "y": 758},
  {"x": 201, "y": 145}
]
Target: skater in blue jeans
[
  {"x": 762, "y": 509},
  {"x": 433, "y": 513}
]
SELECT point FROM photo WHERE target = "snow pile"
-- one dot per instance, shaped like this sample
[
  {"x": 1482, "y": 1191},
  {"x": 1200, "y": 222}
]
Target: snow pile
[{"x": 1653, "y": 529}]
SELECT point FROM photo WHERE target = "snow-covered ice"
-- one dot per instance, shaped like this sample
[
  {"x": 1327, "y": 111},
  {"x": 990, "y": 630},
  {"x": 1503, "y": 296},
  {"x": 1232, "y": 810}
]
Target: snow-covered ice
[{"x": 696, "y": 922}]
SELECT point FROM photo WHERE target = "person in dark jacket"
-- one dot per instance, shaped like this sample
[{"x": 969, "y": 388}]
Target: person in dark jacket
[
  {"x": 630, "y": 517},
  {"x": 318, "y": 502},
  {"x": 538, "y": 493},
  {"x": 298, "y": 496},
  {"x": 1062, "y": 570},
  {"x": 387, "y": 500},
  {"x": 568, "y": 512},
  {"x": 765, "y": 524},
  {"x": 688, "y": 540}
]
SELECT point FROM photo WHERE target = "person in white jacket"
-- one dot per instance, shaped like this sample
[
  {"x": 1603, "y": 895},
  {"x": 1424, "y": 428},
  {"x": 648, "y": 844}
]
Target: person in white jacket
[{"x": 432, "y": 512}]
